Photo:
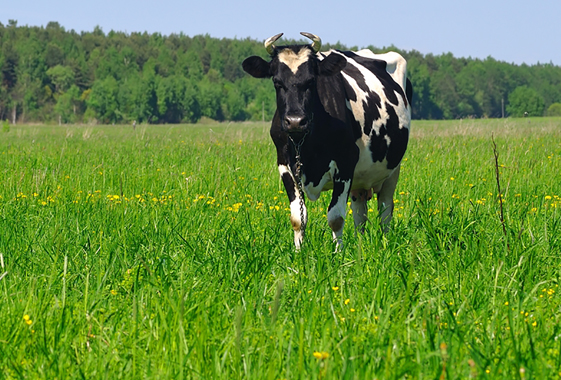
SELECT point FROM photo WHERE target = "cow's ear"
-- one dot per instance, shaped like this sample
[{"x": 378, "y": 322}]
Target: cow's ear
[
  {"x": 332, "y": 64},
  {"x": 256, "y": 67}
]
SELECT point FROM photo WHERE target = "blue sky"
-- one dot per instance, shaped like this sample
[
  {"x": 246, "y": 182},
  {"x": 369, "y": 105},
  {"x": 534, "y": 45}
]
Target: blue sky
[{"x": 512, "y": 31}]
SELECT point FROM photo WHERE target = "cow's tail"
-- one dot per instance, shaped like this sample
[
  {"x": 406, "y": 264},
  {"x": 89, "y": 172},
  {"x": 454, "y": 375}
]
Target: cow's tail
[{"x": 409, "y": 91}]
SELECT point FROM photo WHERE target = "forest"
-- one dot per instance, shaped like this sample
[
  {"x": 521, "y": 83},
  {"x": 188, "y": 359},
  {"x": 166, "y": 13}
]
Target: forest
[{"x": 52, "y": 75}]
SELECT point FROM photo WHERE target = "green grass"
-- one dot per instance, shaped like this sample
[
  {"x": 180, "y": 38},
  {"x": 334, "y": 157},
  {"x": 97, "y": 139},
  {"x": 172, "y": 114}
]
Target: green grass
[{"x": 167, "y": 252}]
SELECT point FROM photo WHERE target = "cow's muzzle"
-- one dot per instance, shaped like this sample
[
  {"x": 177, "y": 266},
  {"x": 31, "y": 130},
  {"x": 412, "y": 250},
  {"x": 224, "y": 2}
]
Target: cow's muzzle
[{"x": 296, "y": 124}]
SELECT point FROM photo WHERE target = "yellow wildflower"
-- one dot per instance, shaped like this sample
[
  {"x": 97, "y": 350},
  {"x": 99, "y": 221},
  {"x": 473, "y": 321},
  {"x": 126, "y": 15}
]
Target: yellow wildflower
[{"x": 321, "y": 355}]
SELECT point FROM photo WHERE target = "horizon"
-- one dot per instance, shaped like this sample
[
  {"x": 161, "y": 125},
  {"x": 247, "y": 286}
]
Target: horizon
[
  {"x": 282, "y": 40},
  {"x": 520, "y": 33}
]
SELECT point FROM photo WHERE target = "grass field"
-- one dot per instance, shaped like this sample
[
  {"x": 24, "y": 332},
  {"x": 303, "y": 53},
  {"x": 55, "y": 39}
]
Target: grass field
[{"x": 166, "y": 253}]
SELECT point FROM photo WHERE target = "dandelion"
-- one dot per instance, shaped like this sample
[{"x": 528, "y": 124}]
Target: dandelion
[
  {"x": 113, "y": 292},
  {"x": 335, "y": 288},
  {"x": 321, "y": 355},
  {"x": 27, "y": 319},
  {"x": 347, "y": 301}
]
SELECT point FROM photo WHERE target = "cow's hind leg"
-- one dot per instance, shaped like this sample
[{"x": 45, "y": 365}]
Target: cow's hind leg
[
  {"x": 385, "y": 199},
  {"x": 359, "y": 205},
  {"x": 298, "y": 212}
]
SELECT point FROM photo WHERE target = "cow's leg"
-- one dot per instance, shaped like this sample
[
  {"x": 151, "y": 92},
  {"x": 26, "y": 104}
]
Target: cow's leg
[
  {"x": 359, "y": 205},
  {"x": 385, "y": 199},
  {"x": 297, "y": 206},
  {"x": 338, "y": 208}
]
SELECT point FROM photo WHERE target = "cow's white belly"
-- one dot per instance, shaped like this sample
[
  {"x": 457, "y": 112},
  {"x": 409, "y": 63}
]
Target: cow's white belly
[{"x": 371, "y": 175}]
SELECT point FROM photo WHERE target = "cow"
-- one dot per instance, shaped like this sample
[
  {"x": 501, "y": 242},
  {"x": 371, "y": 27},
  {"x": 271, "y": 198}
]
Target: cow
[{"x": 341, "y": 124}]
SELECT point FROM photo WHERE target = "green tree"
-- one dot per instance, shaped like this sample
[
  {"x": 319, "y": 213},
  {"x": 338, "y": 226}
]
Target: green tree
[
  {"x": 525, "y": 101},
  {"x": 54, "y": 55},
  {"x": 66, "y": 105},
  {"x": 102, "y": 101},
  {"x": 143, "y": 105},
  {"x": 62, "y": 77},
  {"x": 554, "y": 109},
  {"x": 233, "y": 107},
  {"x": 210, "y": 95}
]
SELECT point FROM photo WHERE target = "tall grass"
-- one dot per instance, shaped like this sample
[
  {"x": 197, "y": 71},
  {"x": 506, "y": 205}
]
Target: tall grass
[{"x": 166, "y": 252}]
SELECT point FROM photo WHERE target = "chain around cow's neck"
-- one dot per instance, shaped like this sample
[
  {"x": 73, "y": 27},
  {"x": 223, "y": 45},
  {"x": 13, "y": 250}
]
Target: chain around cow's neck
[{"x": 298, "y": 175}]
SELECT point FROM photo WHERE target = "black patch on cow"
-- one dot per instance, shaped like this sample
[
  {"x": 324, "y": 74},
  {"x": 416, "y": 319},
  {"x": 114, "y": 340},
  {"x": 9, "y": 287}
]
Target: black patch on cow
[
  {"x": 355, "y": 73},
  {"x": 378, "y": 68},
  {"x": 315, "y": 157},
  {"x": 371, "y": 111},
  {"x": 338, "y": 189},
  {"x": 349, "y": 91},
  {"x": 372, "y": 104},
  {"x": 398, "y": 138},
  {"x": 379, "y": 145},
  {"x": 288, "y": 183},
  {"x": 355, "y": 126},
  {"x": 409, "y": 91}
]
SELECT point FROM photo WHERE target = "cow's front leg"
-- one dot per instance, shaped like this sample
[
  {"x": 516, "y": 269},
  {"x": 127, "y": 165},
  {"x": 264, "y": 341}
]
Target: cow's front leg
[
  {"x": 338, "y": 208},
  {"x": 298, "y": 212}
]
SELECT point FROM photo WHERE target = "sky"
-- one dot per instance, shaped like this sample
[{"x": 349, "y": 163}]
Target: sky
[{"x": 513, "y": 31}]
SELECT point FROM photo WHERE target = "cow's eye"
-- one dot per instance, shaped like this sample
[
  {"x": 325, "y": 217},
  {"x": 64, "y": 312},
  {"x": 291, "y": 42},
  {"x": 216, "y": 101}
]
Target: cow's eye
[{"x": 277, "y": 84}]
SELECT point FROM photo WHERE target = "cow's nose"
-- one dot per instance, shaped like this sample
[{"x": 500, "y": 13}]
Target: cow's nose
[{"x": 295, "y": 123}]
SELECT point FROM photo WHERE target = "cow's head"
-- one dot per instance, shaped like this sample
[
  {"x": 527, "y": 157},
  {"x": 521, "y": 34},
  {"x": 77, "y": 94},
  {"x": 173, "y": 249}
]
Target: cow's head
[{"x": 295, "y": 70}]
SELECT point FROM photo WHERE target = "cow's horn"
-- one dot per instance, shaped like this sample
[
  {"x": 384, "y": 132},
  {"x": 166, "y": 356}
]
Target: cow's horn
[
  {"x": 269, "y": 43},
  {"x": 316, "y": 45}
]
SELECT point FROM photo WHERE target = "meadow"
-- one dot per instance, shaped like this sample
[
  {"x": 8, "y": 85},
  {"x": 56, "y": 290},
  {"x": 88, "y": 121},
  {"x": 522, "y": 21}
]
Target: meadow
[{"x": 166, "y": 252}]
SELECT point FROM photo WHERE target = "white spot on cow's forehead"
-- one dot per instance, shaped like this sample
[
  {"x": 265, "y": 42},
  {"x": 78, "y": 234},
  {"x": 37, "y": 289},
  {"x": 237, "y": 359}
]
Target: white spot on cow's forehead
[{"x": 294, "y": 60}]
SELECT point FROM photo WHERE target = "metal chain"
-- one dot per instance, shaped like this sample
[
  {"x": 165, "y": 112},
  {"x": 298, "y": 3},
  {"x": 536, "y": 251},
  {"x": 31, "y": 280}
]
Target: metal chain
[{"x": 298, "y": 176}]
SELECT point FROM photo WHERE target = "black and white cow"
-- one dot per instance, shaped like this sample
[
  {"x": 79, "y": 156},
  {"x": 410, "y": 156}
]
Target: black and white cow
[{"x": 342, "y": 123}]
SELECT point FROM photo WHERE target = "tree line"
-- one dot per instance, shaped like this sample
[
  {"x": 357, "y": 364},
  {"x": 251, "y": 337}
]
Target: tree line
[{"x": 51, "y": 75}]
